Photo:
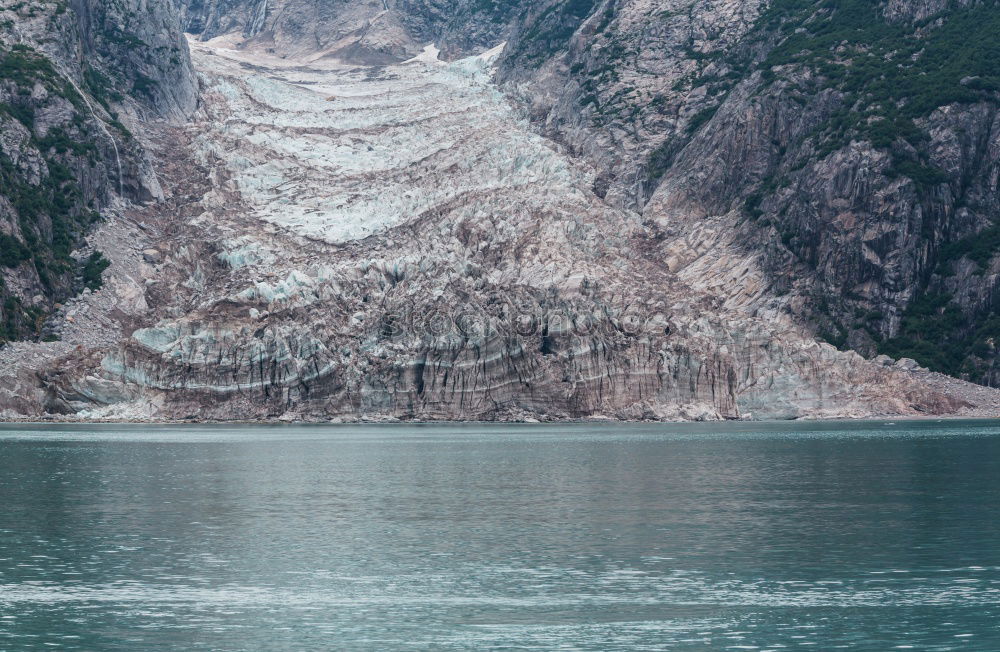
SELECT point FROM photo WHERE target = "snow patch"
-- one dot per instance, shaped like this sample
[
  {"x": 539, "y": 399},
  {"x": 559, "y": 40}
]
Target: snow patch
[
  {"x": 429, "y": 55},
  {"x": 491, "y": 55}
]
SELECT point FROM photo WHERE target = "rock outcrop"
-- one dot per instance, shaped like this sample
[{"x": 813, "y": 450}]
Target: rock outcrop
[
  {"x": 856, "y": 143},
  {"x": 75, "y": 82},
  {"x": 367, "y": 32},
  {"x": 137, "y": 47}
]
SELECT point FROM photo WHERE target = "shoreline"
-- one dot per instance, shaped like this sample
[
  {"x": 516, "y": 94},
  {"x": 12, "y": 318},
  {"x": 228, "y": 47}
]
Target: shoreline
[{"x": 38, "y": 421}]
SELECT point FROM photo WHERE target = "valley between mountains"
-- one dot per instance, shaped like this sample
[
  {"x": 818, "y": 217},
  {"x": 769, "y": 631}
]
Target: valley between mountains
[{"x": 397, "y": 241}]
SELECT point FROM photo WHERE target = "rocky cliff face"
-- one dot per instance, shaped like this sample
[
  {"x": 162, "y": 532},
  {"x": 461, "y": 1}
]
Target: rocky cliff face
[
  {"x": 71, "y": 78},
  {"x": 138, "y": 47},
  {"x": 353, "y": 31},
  {"x": 853, "y": 143}
]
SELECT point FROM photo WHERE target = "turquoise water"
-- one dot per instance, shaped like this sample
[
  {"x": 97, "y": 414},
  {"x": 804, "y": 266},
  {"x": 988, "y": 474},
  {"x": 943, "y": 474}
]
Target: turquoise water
[{"x": 859, "y": 536}]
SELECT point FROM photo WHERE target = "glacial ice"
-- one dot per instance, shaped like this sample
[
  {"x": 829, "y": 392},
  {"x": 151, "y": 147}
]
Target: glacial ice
[{"x": 338, "y": 154}]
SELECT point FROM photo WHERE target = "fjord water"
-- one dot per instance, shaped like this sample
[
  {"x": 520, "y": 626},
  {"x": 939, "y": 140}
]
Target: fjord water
[{"x": 863, "y": 536}]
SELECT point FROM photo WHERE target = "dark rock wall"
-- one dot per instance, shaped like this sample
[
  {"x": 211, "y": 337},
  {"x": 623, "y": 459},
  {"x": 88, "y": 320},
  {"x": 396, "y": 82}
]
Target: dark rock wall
[
  {"x": 71, "y": 77},
  {"x": 857, "y": 142}
]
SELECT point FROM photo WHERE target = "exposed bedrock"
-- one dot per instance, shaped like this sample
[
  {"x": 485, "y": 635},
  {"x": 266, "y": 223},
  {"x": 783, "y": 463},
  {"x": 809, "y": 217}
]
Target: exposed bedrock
[
  {"x": 864, "y": 169},
  {"x": 77, "y": 82},
  {"x": 367, "y": 32}
]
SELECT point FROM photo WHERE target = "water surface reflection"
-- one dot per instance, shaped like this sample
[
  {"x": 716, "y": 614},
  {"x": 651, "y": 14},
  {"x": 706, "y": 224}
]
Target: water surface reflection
[{"x": 746, "y": 536}]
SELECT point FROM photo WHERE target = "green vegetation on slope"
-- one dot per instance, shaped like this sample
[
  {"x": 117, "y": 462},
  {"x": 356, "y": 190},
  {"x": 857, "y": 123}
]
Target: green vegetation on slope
[
  {"x": 934, "y": 330},
  {"x": 890, "y": 72},
  {"x": 937, "y": 334},
  {"x": 549, "y": 32},
  {"x": 93, "y": 269},
  {"x": 50, "y": 213},
  {"x": 889, "y": 76}
]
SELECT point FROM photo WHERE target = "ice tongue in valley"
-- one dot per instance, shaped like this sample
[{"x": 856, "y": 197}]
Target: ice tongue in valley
[{"x": 399, "y": 242}]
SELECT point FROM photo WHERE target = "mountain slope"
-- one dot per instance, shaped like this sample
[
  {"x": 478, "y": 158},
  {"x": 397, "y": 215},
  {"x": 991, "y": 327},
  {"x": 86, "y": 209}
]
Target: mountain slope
[
  {"x": 69, "y": 77},
  {"x": 856, "y": 140},
  {"x": 855, "y": 143}
]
